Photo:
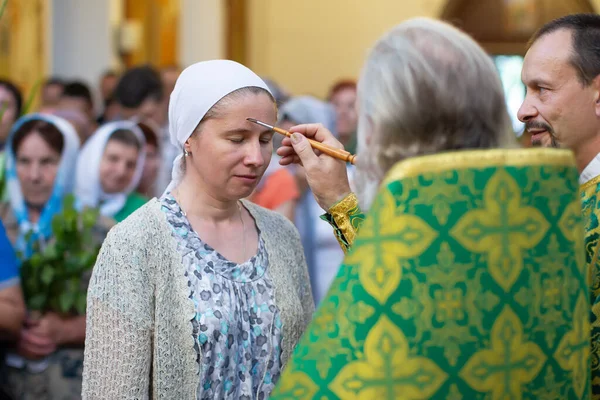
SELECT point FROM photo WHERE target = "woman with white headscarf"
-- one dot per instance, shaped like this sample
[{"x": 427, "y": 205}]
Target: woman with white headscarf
[
  {"x": 40, "y": 158},
  {"x": 37, "y": 182},
  {"x": 109, "y": 170},
  {"x": 200, "y": 294}
]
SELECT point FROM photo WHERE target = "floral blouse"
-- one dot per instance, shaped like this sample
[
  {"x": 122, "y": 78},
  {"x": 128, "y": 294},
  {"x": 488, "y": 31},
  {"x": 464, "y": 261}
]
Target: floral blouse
[{"x": 237, "y": 326}]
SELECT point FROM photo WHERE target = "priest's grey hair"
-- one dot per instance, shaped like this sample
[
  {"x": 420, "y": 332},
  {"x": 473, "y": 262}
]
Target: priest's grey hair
[{"x": 426, "y": 88}]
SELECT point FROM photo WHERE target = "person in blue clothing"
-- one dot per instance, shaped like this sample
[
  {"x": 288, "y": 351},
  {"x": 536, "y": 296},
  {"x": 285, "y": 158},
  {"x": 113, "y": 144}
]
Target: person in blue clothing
[{"x": 12, "y": 308}]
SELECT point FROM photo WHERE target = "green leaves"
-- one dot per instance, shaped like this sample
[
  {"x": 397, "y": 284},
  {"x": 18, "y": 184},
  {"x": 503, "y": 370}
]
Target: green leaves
[
  {"x": 53, "y": 278},
  {"x": 66, "y": 301},
  {"x": 46, "y": 276},
  {"x": 51, "y": 252},
  {"x": 89, "y": 216},
  {"x": 37, "y": 302},
  {"x": 3, "y": 7}
]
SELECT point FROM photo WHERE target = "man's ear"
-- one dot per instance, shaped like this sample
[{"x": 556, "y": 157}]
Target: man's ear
[{"x": 596, "y": 86}]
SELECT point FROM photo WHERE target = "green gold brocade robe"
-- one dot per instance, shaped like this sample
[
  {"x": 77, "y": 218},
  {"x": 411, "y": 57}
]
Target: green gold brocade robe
[
  {"x": 591, "y": 216},
  {"x": 467, "y": 280}
]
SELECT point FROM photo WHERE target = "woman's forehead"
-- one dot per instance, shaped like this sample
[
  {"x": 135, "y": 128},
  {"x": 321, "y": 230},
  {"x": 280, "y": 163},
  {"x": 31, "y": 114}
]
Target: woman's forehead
[
  {"x": 34, "y": 144},
  {"x": 238, "y": 124},
  {"x": 6, "y": 95},
  {"x": 259, "y": 107}
]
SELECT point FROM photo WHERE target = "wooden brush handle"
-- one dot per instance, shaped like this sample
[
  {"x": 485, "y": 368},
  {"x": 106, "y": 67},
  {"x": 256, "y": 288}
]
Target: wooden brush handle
[
  {"x": 330, "y": 151},
  {"x": 323, "y": 148}
]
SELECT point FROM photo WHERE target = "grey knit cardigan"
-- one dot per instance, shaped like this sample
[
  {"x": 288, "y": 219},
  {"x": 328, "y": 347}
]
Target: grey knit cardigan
[{"x": 139, "y": 342}]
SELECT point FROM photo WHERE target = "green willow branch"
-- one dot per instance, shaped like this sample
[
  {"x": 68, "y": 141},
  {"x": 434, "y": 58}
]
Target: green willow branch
[
  {"x": 31, "y": 97},
  {"x": 3, "y": 7}
]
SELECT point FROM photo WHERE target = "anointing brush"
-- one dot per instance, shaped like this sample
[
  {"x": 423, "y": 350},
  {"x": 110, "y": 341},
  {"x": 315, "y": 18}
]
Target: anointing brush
[{"x": 330, "y": 151}]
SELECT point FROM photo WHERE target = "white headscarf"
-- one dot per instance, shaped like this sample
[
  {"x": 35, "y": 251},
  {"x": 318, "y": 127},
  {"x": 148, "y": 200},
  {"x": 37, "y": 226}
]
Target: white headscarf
[
  {"x": 199, "y": 87},
  {"x": 63, "y": 183},
  {"x": 88, "y": 188}
]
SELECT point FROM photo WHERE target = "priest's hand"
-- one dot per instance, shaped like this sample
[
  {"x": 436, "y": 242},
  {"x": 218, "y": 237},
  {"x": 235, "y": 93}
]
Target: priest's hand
[{"x": 326, "y": 176}]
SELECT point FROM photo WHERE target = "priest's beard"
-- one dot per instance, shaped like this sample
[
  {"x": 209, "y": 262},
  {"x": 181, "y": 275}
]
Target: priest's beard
[
  {"x": 366, "y": 189},
  {"x": 366, "y": 179}
]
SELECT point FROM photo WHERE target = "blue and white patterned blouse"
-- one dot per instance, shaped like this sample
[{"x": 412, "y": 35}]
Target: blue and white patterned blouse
[{"x": 237, "y": 327}]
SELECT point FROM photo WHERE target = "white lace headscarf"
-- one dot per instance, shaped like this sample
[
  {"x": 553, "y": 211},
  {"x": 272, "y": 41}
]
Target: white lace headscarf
[{"x": 198, "y": 89}]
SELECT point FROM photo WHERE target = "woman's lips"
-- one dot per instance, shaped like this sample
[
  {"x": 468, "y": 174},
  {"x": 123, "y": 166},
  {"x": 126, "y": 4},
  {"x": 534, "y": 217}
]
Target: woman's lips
[{"x": 247, "y": 178}]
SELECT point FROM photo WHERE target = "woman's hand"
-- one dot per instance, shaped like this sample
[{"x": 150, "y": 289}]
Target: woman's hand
[{"x": 326, "y": 176}]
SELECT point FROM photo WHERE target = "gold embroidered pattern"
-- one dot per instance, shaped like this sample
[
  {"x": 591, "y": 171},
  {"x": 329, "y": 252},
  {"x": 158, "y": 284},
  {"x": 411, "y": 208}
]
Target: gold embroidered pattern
[
  {"x": 386, "y": 237},
  {"x": 510, "y": 363},
  {"x": 347, "y": 219},
  {"x": 503, "y": 229},
  {"x": 388, "y": 371},
  {"x": 574, "y": 349}
]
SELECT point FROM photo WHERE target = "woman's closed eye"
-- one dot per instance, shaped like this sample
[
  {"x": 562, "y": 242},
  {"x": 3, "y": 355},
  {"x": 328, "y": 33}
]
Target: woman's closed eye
[{"x": 266, "y": 138}]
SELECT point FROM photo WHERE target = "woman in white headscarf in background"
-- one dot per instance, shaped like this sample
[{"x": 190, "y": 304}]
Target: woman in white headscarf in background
[
  {"x": 200, "y": 294},
  {"x": 109, "y": 169},
  {"x": 46, "y": 361}
]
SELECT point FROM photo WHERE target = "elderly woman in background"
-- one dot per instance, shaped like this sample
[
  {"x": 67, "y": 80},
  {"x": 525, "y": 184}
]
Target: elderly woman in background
[
  {"x": 109, "y": 169},
  {"x": 40, "y": 161},
  {"x": 200, "y": 294},
  {"x": 343, "y": 98},
  {"x": 41, "y": 156}
]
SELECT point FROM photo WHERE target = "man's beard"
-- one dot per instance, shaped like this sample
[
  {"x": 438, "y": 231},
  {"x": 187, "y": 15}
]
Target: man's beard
[{"x": 541, "y": 125}]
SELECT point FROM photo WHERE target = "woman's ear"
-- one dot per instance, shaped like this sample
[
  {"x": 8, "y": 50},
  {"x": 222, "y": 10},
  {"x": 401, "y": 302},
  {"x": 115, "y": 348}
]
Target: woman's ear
[{"x": 187, "y": 147}]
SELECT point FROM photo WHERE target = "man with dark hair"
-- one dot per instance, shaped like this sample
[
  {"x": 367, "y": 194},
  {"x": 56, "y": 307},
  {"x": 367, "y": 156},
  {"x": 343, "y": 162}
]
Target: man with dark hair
[
  {"x": 77, "y": 96},
  {"x": 51, "y": 92},
  {"x": 560, "y": 72},
  {"x": 140, "y": 93},
  {"x": 562, "y": 109},
  {"x": 108, "y": 83},
  {"x": 110, "y": 108},
  {"x": 76, "y": 105}
]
